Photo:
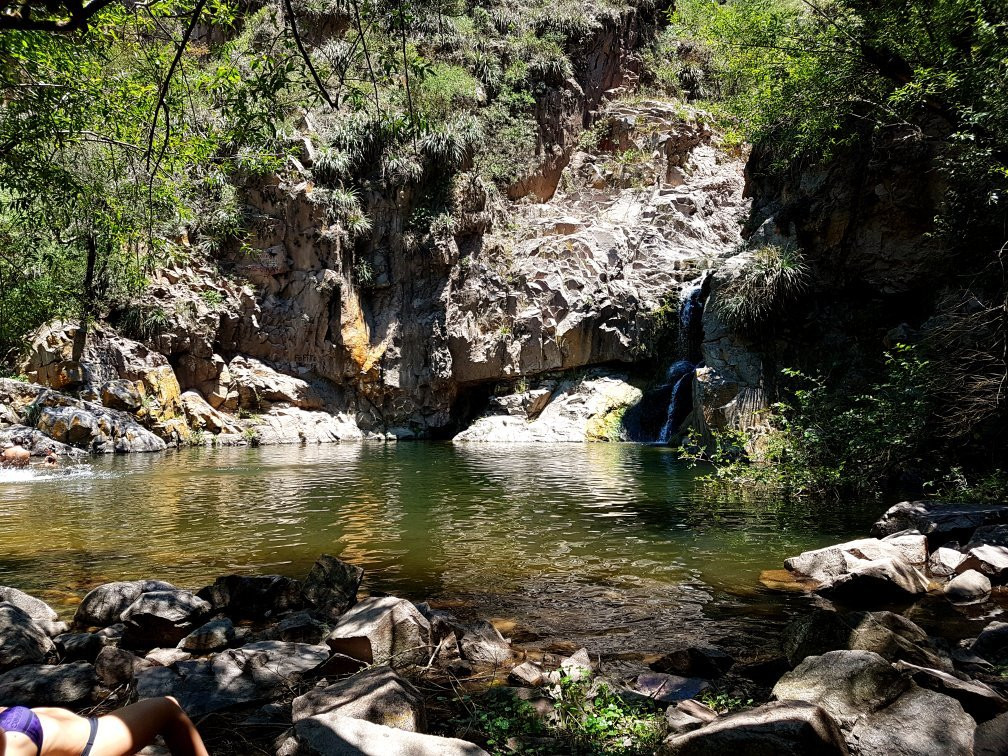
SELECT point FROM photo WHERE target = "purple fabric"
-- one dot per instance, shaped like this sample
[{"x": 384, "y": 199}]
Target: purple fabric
[{"x": 23, "y": 720}]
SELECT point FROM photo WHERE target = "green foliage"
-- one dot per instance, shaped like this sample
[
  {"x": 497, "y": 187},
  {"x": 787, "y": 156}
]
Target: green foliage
[
  {"x": 723, "y": 703},
  {"x": 588, "y": 718},
  {"x": 660, "y": 330},
  {"x": 760, "y": 292},
  {"x": 212, "y": 297},
  {"x": 806, "y": 78},
  {"x": 143, "y": 322},
  {"x": 828, "y": 441}
]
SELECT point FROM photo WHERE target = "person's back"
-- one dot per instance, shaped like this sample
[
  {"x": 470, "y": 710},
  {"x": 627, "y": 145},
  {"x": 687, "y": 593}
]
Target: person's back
[
  {"x": 15, "y": 455},
  {"x": 58, "y": 732}
]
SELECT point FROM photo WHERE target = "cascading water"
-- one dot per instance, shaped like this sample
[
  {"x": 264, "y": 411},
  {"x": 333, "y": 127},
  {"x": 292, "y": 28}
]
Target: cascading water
[{"x": 680, "y": 375}]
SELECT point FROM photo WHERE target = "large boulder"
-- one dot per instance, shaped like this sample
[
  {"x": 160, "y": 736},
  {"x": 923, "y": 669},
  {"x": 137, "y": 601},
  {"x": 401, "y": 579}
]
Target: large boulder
[
  {"x": 944, "y": 561},
  {"x": 992, "y": 643},
  {"x": 104, "y": 605},
  {"x": 252, "y": 673},
  {"x": 259, "y": 387},
  {"x": 49, "y": 685},
  {"x": 253, "y": 597},
  {"x": 293, "y": 425},
  {"x": 299, "y": 627},
  {"x": 482, "y": 643},
  {"x": 378, "y": 695},
  {"x": 41, "y": 613},
  {"x": 79, "y": 646},
  {"x": 939, "y": 521},
  {"x": 847, "y": 684},
  {"x": 980, "y": 701},
  {"x": 919, "y": 723},
  {"x": 830, "y": 563},
  {"x": 117, "y": 666},
  {"x": 992, "y": 561},
  {"x": 162, "y": 618},
  {"x": 780, "y": 728},
  {"x": 92, "y": 427},
  {"x": 893, "y": 637},
  {"x": 585, "y": 409},
  {"x": 988, "y": 535},
  {"x": 22, "y": 641},
  {"x": 968, "y": 587},
  {"x": 878, "y": 580},
  {"x": 385, "y": 630},
  {"x": 199, "y": 414},
  {"x": 991, "y": 737},
  {"x": 345, "y": 736},
  {"x": 911, "y": 544},
  {"x": 106, "y": 357},
  {"x": 331, "y": 586},
  {"x": 215, "y": 635}
]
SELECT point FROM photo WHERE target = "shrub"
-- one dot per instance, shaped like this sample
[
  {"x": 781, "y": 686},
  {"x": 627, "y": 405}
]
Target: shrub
[
  {"x": 827, "y": 440},
  {"x": 773, "y": 278}
]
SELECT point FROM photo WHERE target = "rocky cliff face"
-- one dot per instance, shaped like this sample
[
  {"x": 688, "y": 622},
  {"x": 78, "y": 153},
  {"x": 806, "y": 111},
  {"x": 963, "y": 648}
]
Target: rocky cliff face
[{"x": 406, "y": 332}]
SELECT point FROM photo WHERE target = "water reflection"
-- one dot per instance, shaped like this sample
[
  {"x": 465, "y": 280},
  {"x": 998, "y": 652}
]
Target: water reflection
[{"x": 589, "y": 541}]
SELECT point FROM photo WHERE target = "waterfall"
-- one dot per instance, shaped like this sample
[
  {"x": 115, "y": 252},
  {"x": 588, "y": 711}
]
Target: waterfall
[
  {"x": 680, "y": 374},
  {"x": 681, "y": 401}
]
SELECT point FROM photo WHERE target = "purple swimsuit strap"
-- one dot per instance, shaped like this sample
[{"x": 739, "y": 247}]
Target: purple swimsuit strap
[{"x": 23, "y": 720}]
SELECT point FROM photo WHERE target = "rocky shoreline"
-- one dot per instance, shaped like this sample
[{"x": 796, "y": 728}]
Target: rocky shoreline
[{"x": 308, "y": 667}]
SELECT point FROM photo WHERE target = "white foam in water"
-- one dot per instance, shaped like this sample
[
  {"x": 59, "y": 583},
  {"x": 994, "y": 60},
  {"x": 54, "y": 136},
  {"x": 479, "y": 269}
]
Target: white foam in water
[{"x": 39, "y": 474}]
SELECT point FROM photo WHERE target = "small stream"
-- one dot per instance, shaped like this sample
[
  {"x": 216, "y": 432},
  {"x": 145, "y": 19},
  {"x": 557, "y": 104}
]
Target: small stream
[{"x": 609, "y": 545}]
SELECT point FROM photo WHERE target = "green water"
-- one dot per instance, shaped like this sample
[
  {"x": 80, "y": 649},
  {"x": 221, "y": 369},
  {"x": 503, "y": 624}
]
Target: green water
[{"x": 603, "y": 544}]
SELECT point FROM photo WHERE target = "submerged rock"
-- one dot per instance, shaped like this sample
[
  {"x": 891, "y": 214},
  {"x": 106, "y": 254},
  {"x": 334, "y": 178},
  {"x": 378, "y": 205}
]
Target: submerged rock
[{"x": 780, "y": 728}]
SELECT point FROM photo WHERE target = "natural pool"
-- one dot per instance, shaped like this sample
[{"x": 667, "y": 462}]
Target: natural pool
[{"x": 610, "y": 545}]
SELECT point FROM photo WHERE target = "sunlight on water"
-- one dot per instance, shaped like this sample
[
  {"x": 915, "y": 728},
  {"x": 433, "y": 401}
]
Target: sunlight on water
[{"x": 584, "y": 541}]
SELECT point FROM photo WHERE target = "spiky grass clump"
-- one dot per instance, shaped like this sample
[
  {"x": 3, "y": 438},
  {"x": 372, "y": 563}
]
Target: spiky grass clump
[{"x": 771, "y": 281}]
